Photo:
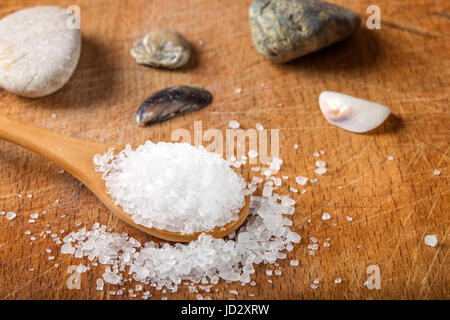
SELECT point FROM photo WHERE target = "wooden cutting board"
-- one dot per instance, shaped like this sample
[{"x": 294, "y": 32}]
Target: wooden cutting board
[{"x": 394, "y": 204}]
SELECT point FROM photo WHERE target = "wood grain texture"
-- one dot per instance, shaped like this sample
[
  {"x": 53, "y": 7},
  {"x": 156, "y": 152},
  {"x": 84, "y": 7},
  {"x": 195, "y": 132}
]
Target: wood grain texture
[{"x": 394, "y": 204}]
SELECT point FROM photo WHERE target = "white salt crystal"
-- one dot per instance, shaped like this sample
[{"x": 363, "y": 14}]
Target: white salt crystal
[
  {"x": 173, "y": 186},
  {"x": 10, "y": 215},
  {"x": 276, "y": 164},
  {"x": 292, "y": 189},
  {"x": 259, "y": 127},
  {"x": 349, "y": 219},
  {"x": 99, "y": 284},
  {"x": 320, "y": 170},
  {"x": 436, "y": 172},
  {"x": 295, "y": 146},
  {"x": 253, "y": 154},
  {"x": 313, "y": 180},
  {"x": 238, "y": 90},
  {"x": 316, "y": 154},
  {"x": 278, "y": 272},
  {"x": 233, "y": 292},
  {"x": 390, "y": 158},
  {"x": 431, "y": 240},
  {"x": 326, "y": 216},
  {"x": 255, "y": 169},
  {"x": 320, "y": 163},
  {"x": 301, "y": 180},
  {"x": 34, "y": 215},
  {"x": 233, "y": 124},
  {"x": 338, "y": 280},
  {"x": 2, "y": 213},
  {"x": 294, "y": 263},
  {"x": 269, "y": 272}
]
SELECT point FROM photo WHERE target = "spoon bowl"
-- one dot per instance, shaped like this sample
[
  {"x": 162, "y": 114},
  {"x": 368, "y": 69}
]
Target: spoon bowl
[{"x": 76, "y": 157}]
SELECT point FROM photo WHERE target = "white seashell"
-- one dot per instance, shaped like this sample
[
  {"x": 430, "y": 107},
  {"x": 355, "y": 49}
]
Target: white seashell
[{"x": 350, "y": 113}]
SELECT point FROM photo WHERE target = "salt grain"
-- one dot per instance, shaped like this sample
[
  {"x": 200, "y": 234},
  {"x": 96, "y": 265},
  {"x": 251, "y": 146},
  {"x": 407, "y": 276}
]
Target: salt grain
[
  {"x": 173, "y": 186},
  {"x": 301, "y": 180},
  {"x": 320, "y": 170},
  {"x": 326, "y": 216},
  {"x": 10, "y": 215},
  {"x": 431, "y": 240},
  {"x": 436, "y": 172},
  {"x": 233, "y": 124}
]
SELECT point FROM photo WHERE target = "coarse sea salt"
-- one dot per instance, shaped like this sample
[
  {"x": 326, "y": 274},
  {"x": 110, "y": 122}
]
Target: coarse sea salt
[
  {"x": 173, "y": 186},
  {"x": 431, "y": 240},
  {"x": 262, "y": 239},
  {"x": 233, "y": 124},
  {"x": 10, "y": 215},
  {"x": 301, "y": 180}
]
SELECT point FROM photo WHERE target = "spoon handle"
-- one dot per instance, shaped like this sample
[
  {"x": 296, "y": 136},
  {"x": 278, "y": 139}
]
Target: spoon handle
[{"x": 73, "y": 155}]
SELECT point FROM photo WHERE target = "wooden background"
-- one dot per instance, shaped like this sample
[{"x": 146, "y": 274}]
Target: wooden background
[{"x": 394, "y": 204}]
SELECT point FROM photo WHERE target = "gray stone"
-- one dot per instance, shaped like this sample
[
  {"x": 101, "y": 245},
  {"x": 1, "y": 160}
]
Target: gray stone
[
  {"x": 283, "y": 30},
  {"x": 39, "y": 50}
]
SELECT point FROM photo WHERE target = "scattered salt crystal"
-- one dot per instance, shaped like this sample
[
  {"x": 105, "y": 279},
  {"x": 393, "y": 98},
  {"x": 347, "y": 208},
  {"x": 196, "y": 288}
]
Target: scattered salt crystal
[
  {"x": 431, "y": 240},
  {"x": 313, "y": 239},
  {"x": 270, "y": 281},
  {"x": 316, "y": 281},
  {"x": 326, "y": 244},
  {"x": 238, "y": 90},
  {"x": 320, "y": 170},
  {"x": 313, "y": 180},
  {"x": 316, "y": 154},
  {"x": 255, "y": 169},
  {"x": 233, "y": 292},
  {"x": 48, "y": 250},
  {"x": 51, "y": 258},
  {"x": 314, "y": 286},
  {"x": 295, "y": 146},
  {"x": 10, "y": 215},
  {"x": 53, "y": 115},
  {"x": 322, "y": 152},
  {"x": 326, "y": 216},
  {"x": 390, "y": 158},
  {"x": 138, "y": 287},
  {"x": 278, "y": 272},
  {"x": 276, "y": 164},
  {"x": 34, "y": 215},
  {"x": 338, "y": 280},
  {"x": 320, "y": 163},
  {"x": 233, "y": 124},
  {"x": 301, "y": 180},
  {"x": 269, "y": 272},
  {"x": 27, "y": 232},
  {"x": 2, "y": 213},
  {"x": 294, "y": 263},
  {"x": 29, "y": 196},
  {"x": 259, "y": 127},
  {"x": 292, "y": 189},
  {"x": 252, "y": 154},
  {"x": 436, "y": 172},
  {"x": 31, "y": 221}
]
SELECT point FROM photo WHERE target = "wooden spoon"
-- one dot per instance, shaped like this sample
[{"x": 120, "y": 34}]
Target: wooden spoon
[{"x": 76, "y": 156}]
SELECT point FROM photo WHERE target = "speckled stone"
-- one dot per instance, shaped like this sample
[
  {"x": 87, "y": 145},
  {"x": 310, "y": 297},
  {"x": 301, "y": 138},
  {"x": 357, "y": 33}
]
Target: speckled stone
[
  {"x": 283, "y": 30},
  {"x": 39, "y": 51}
]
